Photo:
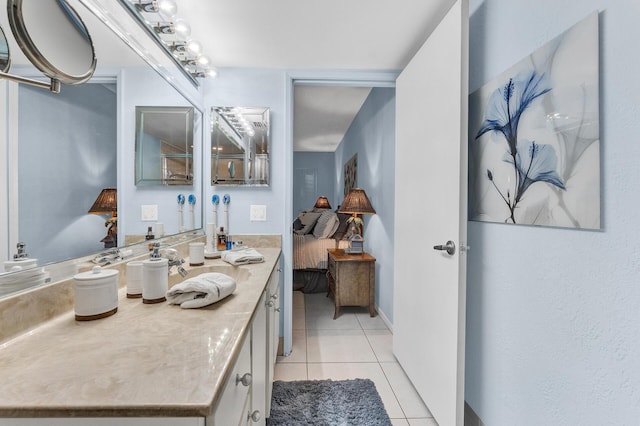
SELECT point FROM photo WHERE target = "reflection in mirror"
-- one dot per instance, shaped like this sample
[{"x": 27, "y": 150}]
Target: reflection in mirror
[
  {"x": 164, "y": 145},
  {"x": 240, "y": 146},
  {"x": 64, "y": 149},
  {"x": 5, "y": 58}
]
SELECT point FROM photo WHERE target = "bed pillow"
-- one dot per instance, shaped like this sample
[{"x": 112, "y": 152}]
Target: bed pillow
[
  {"x": 326, "y": 225},
  {"x": 308, "y": 220},
  {"x": 297, "y": 224},
  {"x": 343, "y": 226}
]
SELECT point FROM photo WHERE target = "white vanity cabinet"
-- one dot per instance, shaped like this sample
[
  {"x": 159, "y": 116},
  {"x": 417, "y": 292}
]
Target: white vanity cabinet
[{"x": 273, "y": 329}]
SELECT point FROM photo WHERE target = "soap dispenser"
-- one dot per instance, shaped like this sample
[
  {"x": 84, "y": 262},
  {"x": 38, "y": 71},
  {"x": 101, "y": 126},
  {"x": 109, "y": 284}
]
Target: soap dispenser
[{"x": 155, "y": 277}]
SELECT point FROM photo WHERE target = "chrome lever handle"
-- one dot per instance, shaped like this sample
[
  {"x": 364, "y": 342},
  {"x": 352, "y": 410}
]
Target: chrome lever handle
[{"x": 449, "y": 247}]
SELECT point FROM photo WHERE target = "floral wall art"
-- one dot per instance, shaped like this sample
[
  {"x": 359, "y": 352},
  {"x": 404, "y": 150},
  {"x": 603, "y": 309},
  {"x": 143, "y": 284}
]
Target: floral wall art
[{"x": 534, "y": 146}]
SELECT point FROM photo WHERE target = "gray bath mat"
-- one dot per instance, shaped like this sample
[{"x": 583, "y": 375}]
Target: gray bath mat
[{"x": 327, "y": 403}]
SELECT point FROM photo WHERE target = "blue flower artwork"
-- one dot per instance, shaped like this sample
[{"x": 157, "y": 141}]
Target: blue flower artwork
[{"x": 534, "y": 137}]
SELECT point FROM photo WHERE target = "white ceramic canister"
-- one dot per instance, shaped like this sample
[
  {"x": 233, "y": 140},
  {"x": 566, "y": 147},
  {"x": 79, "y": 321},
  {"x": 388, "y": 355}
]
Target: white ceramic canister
[
  {"x": 196, "y": 254},
  {"x": 155, "y": 280},
  {"x": 95, "y": 293},
  {"x": 134, "y": 279}
]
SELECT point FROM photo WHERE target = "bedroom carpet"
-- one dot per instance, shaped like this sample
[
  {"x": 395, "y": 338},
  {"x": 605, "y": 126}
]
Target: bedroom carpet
[{"x": 327, "y": 402}]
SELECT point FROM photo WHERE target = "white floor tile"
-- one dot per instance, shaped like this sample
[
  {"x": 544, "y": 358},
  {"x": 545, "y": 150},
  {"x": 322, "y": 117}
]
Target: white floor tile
[
  {"x": 399, "y": 422},
  {"x": 372, "y": 371},
  {"x": 382, "y": 343},
  {"x": 298, "y": 300},
  {"x": 321, "y": 320},
  {"x": 338, "y": 346},
  {"x": 423, "y": 422},
  {"x": 410, "y": 401},
  {"x": 290, "y": 371},
  {"x": 299, "y": 320},
  {"x": 367, "y": 322},
  {"x": 298, "y": 348}
]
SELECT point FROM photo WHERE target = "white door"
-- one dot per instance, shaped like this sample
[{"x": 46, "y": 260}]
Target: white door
[{"x": 431, "y": 209}]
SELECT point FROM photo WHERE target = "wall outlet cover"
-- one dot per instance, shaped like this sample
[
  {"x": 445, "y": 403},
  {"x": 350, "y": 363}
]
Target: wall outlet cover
[
  {"x": 149, "y": 212},
  {"x": 258, "y": 213}
]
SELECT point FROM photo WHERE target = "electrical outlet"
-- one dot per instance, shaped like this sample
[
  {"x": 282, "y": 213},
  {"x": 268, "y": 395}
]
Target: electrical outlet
[
  {"x": 258, "y": 213},
  {"x": 149, "y": 212}
]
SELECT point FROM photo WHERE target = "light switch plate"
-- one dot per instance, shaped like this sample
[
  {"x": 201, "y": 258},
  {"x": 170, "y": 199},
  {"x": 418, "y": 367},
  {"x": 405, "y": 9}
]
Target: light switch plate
[
  {"x": 149, "y": 212},
  {"x": 258, "y": 213}
]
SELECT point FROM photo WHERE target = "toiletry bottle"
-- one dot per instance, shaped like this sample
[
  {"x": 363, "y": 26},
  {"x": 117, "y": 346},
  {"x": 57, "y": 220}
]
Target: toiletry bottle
[
  {"x": 222, "y": 240},
  {"x": 149, "y": 235}
]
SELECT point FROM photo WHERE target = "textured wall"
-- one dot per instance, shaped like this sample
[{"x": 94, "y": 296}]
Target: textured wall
[
  {"x": 372, "y": 136},
  {"x": 552, "y": 314}
]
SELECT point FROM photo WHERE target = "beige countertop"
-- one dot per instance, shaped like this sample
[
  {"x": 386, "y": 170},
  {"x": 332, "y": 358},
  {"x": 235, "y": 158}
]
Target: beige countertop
[{"x": 146, "y": 360}]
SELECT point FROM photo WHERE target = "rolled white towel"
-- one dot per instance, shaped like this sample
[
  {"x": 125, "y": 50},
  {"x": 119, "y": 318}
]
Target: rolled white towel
[
  {"x": 202, "y": 290},
  {"x": 242, "y": 256}
]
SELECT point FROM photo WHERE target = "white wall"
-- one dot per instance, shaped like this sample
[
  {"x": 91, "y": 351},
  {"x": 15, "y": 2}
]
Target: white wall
[
  {"x": 553, "y": 314},
  {"x": 372, "y": 136}
]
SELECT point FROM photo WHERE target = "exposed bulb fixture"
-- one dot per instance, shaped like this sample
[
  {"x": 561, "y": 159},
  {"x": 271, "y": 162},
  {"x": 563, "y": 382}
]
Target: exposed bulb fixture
[{"x": 174, "y": 34}]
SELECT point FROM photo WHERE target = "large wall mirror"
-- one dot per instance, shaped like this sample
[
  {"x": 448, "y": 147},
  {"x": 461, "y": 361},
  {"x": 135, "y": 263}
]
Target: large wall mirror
[
  {"x": 65, "y": 149},
  {"x": 164, "y": 145},
  {"x": 240, "y": 146}
]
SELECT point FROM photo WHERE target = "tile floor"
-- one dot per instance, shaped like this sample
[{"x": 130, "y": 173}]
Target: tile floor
[{"x": 352, "y": 346}]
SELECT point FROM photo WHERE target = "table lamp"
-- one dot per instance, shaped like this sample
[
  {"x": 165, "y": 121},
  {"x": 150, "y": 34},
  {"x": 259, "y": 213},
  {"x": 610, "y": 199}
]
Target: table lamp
[
  {"x": 356, "y": 203},
  {"x": 107, "y": 203}
]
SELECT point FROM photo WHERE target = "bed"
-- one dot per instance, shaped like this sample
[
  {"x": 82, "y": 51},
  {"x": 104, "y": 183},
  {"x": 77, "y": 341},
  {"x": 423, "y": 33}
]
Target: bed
[{"x": 314, "y": 232}]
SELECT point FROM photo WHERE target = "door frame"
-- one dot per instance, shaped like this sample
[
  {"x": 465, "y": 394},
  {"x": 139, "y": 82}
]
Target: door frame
[{"x": 311, "y": 78}]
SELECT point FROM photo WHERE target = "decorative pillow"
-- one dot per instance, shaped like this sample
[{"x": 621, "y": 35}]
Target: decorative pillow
[
  {"x": 326, "y": 225},
  {"x": 343, "y": 226},
  {"x": 297, "y": 224},
  {"x": 308, "y": 220}
]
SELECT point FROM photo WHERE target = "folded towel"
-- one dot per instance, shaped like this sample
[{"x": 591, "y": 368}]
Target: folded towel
[
  {"x": 202, "y": 290},
  {"x": 242, "y": 256}
]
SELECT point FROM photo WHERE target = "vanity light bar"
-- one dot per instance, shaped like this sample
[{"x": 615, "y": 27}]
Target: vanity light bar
[{"x": 175, "y": 35}]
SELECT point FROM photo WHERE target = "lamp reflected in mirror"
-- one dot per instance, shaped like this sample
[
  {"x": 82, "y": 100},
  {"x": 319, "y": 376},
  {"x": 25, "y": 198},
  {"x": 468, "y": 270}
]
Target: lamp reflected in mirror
[
  {"x": 107, "y": 203},
  {"x": 322, "y": 203}
]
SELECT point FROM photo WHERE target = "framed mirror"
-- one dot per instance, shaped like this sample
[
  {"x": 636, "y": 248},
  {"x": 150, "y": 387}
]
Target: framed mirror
[
  {"x": 164, "y": 145},
  {"x": 240, "y": 146}
]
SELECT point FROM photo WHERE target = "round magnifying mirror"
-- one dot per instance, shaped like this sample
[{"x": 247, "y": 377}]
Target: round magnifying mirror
[
  {"x": 54, "y": 38},
  {"x": 5, "y": 58}
]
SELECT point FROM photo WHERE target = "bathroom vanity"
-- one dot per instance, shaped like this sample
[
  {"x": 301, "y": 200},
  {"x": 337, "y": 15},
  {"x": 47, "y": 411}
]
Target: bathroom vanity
[{"x": 151, "y": 364}]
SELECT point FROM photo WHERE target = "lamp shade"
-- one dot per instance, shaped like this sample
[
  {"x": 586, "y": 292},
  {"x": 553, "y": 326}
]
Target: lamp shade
[
  {"x": 106, "y": 203},
  {"x": 322, "y": 203},
  {"x": 356, "y": 202}
]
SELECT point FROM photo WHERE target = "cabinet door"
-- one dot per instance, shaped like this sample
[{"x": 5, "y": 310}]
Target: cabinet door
[{"x": 259, "y": 362}]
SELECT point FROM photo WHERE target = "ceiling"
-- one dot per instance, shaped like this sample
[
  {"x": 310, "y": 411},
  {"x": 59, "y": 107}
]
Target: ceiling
[
  {"x": 299, "y": 34},
  {"x": 331, "y": 34}
]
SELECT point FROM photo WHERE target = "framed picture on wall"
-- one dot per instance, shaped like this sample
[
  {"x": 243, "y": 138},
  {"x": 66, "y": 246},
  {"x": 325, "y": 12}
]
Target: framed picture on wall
[{"x": 351, "y": 174}]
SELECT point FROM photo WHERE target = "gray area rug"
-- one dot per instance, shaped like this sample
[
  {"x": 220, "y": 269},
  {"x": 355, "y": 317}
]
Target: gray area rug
[{"x": 327, "y": 402}]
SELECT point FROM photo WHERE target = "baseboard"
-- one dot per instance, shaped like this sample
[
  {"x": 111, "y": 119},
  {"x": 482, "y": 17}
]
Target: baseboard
[
  {"x": 384, "y": 319},
  {"x": 470, "y": 416}
]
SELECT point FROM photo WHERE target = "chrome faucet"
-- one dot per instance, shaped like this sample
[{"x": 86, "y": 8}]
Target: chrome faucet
[
  {"x": 108, "y": 257},
  {"x": 172, "y": 256}
]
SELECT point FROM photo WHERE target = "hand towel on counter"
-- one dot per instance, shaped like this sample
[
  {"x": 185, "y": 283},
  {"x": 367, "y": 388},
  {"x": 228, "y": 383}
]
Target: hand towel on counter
[
  {"x": 202, "y": 290},
  {"x": 242, "y": 256}
]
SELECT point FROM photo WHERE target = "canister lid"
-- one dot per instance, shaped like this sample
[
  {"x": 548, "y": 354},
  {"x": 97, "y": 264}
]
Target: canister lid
[{"x": 95, "y": 274}]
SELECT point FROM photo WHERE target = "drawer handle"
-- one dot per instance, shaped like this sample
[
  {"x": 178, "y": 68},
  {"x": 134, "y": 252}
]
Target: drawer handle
[
  {"x": 274, "y": 296},
  {"x": 255, "y": 416},
  {"x": 245, "y": 379}
]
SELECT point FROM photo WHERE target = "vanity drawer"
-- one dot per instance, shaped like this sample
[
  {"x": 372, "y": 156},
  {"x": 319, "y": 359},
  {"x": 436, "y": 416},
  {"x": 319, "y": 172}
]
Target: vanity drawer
[{"x": 231, "y": 405}]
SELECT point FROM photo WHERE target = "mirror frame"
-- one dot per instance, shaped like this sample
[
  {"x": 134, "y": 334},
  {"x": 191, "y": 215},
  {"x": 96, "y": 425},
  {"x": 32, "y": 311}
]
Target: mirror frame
[
  {"x": 33, "y": 53},
  {"x": 188, "y": 114}
]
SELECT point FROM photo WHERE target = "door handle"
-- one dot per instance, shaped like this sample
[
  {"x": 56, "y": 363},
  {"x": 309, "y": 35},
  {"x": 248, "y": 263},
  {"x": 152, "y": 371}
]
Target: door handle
[{"x": 449, "y": 247}]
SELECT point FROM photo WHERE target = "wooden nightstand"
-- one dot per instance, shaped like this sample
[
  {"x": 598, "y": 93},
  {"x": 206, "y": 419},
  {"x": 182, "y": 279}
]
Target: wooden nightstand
[{"x": 352, "y": 280}]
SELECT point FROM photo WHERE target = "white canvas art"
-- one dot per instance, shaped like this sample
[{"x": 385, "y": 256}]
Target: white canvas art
[{"x": 534, "y": 145}]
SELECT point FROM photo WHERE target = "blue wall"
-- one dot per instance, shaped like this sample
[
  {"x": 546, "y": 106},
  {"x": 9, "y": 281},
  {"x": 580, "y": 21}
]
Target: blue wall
[
  {"x": 322, "y": 164},
  {"x": 48, "y": 151},
  {"x": 372, "y": 136},
  {"x": 552, "y": 314}
]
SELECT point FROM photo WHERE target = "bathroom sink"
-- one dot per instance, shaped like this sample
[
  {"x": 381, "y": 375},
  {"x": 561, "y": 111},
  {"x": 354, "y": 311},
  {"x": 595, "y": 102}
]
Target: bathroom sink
[{"x": 239, "y": 274}]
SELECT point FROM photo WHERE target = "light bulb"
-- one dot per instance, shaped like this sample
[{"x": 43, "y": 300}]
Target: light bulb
[
  {"x": 212, "y": 72},
  {"x": 194, "y": 47},
  {"x": 167, "y": 8},
  {"x": 182, "y": 29},
  {"x": 203, "y": 60}
]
